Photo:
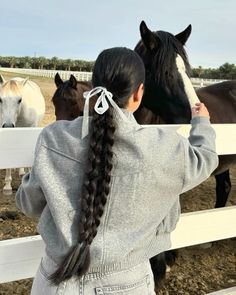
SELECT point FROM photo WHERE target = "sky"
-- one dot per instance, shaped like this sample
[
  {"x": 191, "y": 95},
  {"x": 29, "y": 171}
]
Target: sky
[{"x": 82, "y": 29}]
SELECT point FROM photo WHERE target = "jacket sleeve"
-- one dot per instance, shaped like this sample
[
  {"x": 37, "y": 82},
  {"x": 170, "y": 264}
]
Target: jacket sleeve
[
  {"x": 200, "y": 158},
  {"x": 29, "y": 196}
]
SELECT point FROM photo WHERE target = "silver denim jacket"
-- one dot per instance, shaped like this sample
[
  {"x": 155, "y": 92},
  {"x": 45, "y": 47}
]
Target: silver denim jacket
[{"x": 152, "y": 167}]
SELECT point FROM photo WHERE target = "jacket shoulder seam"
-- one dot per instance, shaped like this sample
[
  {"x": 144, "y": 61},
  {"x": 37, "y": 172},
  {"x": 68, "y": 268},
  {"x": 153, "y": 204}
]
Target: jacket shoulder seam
[{"x": 61, "y": 153}]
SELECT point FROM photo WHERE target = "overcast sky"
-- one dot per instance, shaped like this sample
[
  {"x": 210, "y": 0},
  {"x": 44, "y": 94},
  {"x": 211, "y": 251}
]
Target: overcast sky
[{"x": 81, "y": 29}]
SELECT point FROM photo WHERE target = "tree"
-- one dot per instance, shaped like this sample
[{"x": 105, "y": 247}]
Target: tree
[
  {"x": 227, "y": 70},
  {"x": 54, "y": 62},
  {"x": 68, "y": 64},
  {"x": 199, "y": 71},
  {"x": 41, "y": 62},
  {"x": 25, "y": 62},
  {"x": 12, "y": 60}
]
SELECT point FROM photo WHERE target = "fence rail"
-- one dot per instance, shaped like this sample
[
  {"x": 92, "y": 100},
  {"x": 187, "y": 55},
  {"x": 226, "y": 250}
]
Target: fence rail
[
  {"x": 65, "y": 75},
  {"x": 19, "y": 258},
  {"x": 86, "y": 76}
]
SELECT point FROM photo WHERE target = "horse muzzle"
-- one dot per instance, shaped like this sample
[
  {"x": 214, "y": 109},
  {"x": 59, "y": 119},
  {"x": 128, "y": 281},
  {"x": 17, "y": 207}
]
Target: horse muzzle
[{"x": 8, "y": 125}]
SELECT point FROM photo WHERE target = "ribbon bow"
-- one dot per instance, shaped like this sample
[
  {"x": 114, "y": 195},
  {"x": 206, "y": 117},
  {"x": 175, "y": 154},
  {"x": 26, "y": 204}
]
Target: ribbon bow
[{"x": 100, "y": 107}]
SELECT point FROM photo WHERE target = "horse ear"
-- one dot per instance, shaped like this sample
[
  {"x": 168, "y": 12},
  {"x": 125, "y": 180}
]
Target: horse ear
[
  {"x": 73, "y": 81},
  {"x": 57, "y": 79},
  {"x": 183, "y": 36},
  {"x": 2, "y": 80},
  {"x": 148, "y": 37}
]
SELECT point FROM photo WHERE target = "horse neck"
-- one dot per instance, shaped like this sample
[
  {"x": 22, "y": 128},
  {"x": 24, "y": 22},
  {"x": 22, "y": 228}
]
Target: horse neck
[{"x": 84, "y": 85}]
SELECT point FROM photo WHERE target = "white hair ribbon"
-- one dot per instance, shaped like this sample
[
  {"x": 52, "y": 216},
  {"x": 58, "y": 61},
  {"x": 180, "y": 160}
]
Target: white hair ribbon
[{"x": 100, "y": 107}]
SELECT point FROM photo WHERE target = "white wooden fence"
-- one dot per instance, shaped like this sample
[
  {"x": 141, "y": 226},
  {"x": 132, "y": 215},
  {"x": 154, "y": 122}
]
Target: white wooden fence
[
  {"x": 19, "y": 258},
  {"x": 86, "y": 76},
  {"x": 65, "y": 75}
]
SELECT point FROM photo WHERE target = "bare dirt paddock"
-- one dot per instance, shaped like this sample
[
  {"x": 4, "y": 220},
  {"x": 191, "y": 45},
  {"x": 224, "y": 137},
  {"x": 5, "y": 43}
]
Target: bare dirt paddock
[{"x": 197, "y": 271}]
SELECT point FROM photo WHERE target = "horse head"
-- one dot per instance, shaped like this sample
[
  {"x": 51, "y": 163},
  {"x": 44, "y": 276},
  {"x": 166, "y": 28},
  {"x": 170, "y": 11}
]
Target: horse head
[
  {"x": 164, "y": 89},
  {"x": 68, "y": 98},
  {"x": 10, "y": 101}
]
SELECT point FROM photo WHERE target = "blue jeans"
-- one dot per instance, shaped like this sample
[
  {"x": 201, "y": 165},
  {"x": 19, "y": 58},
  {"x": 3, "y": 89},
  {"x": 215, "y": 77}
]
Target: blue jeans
[{"x": 137, "y": 280}]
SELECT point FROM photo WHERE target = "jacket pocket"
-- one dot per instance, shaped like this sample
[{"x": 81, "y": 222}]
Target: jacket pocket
[{"x": 141, "y": 287}]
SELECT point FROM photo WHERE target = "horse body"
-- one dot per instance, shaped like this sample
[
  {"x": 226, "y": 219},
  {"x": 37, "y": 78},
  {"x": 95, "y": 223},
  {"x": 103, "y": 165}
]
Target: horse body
[
  {"x": 216, "y": 95},
  {"x": 21, "y": 105},
  {"x": 220, "y": 99}
]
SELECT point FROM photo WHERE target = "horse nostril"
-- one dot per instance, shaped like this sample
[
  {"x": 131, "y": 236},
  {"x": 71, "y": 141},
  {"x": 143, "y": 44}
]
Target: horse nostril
[{"x": 8, "y": 125}]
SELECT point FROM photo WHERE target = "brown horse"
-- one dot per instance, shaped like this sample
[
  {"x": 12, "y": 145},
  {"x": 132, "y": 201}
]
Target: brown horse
[
  {"x": 68, "y": 98},
  {"x": 165, "y": 100},
  {"x": 220, "y": 99}
]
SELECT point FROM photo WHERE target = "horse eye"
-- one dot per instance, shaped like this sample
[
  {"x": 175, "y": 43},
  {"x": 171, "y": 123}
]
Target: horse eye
[
  {"x": 19, "y": 100},
  {"x": 73, "y": 103}
]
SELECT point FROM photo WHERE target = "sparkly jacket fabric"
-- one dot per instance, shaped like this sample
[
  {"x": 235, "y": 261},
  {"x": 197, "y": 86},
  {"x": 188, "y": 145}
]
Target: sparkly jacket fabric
[{"x": 152, "y": 167}]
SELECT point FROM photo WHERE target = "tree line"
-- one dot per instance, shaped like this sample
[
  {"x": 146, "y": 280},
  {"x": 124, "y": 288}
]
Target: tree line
[
  {"x": 42, "y": 62},
  {"x": 225, "y": 71}
]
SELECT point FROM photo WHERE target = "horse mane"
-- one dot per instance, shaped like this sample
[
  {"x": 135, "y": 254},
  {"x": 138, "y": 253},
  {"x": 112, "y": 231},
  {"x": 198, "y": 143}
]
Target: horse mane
[
  {"x": 11, "y": 86},
  {"x": 84, "y": 83}
]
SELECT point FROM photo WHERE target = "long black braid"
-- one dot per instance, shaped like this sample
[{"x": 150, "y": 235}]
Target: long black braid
[
  {"x": 121, "y": 71},
  {"x": 95, "y": 190}
]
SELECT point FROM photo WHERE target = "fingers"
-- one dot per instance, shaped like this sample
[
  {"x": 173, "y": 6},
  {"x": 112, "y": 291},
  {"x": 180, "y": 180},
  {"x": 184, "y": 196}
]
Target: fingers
[
  {"x": 198, "y": 106},
  {"x": 200, "y": 110}
]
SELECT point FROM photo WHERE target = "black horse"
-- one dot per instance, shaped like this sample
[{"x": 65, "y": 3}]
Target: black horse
[{"x": 165, "y": 101}]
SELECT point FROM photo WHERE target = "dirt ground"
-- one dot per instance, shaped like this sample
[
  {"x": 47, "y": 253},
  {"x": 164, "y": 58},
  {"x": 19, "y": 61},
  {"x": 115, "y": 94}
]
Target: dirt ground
[{"x": 197, "y": 271}]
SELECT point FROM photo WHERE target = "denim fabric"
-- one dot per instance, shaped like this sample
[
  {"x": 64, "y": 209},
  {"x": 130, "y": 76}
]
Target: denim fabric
[{"x": 137, "y": 280}]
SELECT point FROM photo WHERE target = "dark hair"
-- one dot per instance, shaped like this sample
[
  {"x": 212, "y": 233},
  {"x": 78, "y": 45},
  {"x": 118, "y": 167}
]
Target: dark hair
[{"x": 120, "y": 71}]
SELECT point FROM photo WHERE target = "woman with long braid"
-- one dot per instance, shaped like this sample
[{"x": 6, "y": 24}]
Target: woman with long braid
[{"x": 106, "y": 190}]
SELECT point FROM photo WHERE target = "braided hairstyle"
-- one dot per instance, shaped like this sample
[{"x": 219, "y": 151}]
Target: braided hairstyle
[{"x": 120, "y": 71}]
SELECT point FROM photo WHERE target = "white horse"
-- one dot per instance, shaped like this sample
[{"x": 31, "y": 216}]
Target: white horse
[{"x": 21, "y": 105}]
